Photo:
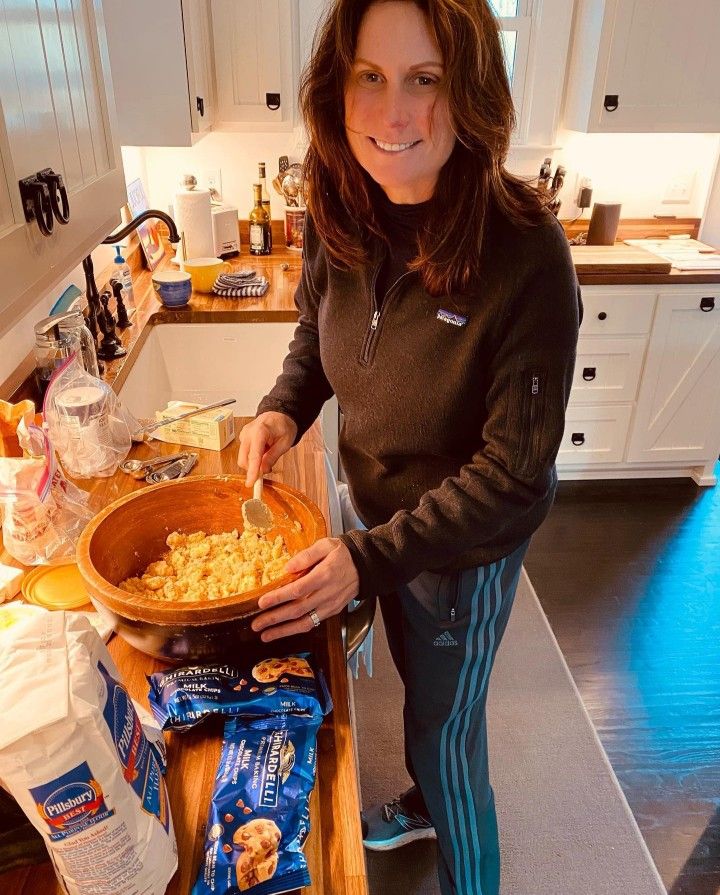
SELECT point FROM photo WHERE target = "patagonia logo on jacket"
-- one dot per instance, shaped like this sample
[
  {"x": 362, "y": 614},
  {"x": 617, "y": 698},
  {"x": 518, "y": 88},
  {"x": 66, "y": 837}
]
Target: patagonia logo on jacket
[{"x": 449, "y": 317}]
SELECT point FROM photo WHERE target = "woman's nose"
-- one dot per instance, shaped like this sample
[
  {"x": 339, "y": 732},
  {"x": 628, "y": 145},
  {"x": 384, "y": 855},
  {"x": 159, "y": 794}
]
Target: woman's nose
[{"x": 396, "y": 114}]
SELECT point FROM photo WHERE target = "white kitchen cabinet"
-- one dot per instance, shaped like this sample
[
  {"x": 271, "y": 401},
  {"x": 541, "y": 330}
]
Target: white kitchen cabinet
[
  {"x": 595, "y": 434},
  {"x": 257, "y": 56},
  {"x": 607, "y": 370},
  {"x": 162, "y": 63},
  {"x": 644, "y": 66},
  {"x": 645, "y": 400},
  {"x": 678, "y": 408},
  {"x": 57, "y": 112}
]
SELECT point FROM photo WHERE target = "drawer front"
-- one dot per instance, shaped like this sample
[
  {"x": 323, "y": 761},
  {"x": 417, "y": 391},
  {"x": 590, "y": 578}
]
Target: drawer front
[
  {"x": 595, "y": 435},
  {"x": 607, "y": 370},
  {"x": 616, "y": 313}
]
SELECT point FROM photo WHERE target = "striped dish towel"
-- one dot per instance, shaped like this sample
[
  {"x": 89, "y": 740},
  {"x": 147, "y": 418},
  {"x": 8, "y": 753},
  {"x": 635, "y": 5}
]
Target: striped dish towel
[{"x": 232, "y": 285}]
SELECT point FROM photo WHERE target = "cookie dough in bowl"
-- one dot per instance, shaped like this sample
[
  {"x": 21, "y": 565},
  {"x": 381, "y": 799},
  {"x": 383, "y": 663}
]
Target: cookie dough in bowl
[{"x": 132, "y": 533}]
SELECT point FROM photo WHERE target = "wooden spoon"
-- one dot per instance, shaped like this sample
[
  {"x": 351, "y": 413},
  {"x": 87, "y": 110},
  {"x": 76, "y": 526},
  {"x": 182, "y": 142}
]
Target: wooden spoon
[{"x": 257, "y": 514}]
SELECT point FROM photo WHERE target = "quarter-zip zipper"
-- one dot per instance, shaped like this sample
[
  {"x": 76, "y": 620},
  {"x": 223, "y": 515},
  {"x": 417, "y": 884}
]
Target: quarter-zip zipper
[{"x": 377, "y": 312}]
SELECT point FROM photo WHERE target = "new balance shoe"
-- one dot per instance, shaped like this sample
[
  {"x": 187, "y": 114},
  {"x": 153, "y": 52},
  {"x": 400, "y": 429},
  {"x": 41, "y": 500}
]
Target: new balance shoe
[{"x": 394, "y": 824}]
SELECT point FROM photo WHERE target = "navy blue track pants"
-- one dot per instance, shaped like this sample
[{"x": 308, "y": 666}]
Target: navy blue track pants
[{"x": 443, "y": 632}]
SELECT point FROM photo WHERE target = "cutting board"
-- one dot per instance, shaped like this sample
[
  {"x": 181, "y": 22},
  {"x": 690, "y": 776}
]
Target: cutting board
[{"x": 617, "y": 259}]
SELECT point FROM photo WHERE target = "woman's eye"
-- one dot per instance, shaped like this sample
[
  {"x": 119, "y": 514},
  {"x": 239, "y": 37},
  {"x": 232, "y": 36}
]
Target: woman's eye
[
  {"x": 370, "y": 77},
  {"x": 425, "y": 81}
]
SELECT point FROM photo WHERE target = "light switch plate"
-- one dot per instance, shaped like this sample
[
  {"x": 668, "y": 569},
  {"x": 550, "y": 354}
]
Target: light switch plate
[
  {"x": 679, "y": 188},
  {"x": 213, "y": 179}
]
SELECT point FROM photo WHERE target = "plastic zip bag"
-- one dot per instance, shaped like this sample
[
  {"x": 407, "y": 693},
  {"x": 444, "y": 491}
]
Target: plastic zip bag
[
  {"x": 89, "y": 427},
  {"x": 43, "y": 514}
]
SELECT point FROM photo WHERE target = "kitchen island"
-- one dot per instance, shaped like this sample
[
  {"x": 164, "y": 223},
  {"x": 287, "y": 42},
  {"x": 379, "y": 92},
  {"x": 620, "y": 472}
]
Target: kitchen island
[{"x": 334, "y": 848}]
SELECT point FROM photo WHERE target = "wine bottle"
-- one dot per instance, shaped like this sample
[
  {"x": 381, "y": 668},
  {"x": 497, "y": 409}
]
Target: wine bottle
[
  {"x": 262, "y": 180},
  {"x": 260, "y": 231}
]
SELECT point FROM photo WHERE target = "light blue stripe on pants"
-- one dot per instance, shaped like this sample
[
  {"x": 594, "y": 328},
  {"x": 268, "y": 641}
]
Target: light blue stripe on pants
[{"x": 444, "y": 632}]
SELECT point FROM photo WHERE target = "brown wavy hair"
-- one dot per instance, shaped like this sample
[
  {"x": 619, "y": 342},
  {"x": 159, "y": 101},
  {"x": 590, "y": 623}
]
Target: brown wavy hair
[{"x": 339, "y": 191}]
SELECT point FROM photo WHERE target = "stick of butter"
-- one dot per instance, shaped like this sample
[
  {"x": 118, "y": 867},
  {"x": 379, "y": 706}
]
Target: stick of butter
[{"x": 10, "y": 579}]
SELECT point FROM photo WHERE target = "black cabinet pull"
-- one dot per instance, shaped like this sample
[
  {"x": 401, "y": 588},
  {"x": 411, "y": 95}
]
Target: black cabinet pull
[
  {"x": 611, "y": 101},
  {"x": 36, "y": 203},
  {"x": 602, "y": 315},
  {"x": 589, "y": 373},
  {"x": 578, "y": 438},
  {"x": 200, "y": 106},
  {"x": 272, "y": 101},
  {"x": 707, "y": 303},
  {"x": 59, "y": 201}
]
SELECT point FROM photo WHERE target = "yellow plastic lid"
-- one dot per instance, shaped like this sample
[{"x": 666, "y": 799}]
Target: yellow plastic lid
[{"x": 56, "y": 587}]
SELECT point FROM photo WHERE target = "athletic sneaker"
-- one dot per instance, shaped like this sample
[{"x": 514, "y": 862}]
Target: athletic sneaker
[{"x": 395, "y": 823}]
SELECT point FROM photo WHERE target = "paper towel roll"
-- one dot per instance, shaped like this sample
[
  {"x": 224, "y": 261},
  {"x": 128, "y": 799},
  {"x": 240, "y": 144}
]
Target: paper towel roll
[{"x": 194, "y": 218}]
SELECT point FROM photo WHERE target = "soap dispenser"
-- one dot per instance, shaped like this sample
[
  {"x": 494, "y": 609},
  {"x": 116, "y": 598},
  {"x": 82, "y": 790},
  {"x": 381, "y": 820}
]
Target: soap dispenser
[{"x": 122, "y": 275}]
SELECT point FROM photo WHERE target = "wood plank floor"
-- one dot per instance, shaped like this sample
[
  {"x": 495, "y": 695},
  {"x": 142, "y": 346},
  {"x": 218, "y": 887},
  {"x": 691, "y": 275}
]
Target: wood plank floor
[{"x": 628, "y": 574}]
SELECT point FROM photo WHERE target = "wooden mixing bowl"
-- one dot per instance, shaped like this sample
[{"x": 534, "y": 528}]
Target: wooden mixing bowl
[{"x": 131, "y": 533}]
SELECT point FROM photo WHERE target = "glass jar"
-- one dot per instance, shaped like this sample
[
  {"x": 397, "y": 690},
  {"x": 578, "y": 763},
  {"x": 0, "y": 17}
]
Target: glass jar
[
  {"x": 52, "y": 348},
  {"x": 86, "y": 449},
  {"x": 75, "y": 324}
]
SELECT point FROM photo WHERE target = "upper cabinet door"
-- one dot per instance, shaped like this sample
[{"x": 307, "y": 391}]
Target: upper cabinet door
[
  {"x": 200, "y": 64},
  {"x": 256, "y": 59},
  {"x": 644, "y": 66},
  {"x": 162, "y": 65},
  {"x": 57, "y": 112}
]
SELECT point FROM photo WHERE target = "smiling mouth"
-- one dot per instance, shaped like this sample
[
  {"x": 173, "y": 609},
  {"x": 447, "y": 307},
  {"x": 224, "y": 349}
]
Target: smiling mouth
[{"x": 393, "y": 147}]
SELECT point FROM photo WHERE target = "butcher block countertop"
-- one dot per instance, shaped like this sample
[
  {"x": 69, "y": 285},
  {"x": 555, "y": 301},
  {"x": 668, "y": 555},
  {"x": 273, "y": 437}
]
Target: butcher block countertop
[
  {"x": 618, "y": 265},
  {"x": 595, "y": 265},
  {"x": 334, "y": 847}
]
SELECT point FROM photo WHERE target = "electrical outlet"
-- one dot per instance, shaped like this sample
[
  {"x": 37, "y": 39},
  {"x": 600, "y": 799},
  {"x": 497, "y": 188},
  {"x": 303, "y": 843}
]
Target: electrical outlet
[
  {"x": 213, "y": 180},
  {"x": 584, "y": 193},
  {"x": 679, "y": 188}
]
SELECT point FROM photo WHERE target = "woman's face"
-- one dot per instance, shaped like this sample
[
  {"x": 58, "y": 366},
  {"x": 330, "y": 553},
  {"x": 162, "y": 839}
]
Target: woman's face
[{"x": 396, "y": 112}]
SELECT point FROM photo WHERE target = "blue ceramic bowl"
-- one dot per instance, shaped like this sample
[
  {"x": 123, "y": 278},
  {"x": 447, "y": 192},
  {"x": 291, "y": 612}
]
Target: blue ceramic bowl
[{"x": 173, "y": 286}]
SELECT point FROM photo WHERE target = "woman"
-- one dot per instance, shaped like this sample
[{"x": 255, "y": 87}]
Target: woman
[{"x": 439, "y": 302}]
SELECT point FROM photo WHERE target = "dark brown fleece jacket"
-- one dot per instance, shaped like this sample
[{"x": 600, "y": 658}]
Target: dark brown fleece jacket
[{"x": 453, "y": 406}]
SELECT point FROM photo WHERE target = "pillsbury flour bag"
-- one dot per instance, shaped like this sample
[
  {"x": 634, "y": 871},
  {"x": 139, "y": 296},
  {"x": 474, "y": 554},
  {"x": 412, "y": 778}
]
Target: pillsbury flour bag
[{"x": 75, "y": 756}]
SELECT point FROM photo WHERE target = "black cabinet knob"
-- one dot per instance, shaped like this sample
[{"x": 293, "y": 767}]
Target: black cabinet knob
[
  {"x": 602, "y": 315},
  {"x": 200, "y": 105},
  {"x": 707, "y": 303},
  {"x": 272, "y": 101},
  {"x": 611, "y": 101},
  {"x": 589, "y": 373},
  {"x": 578, "y": 438}
]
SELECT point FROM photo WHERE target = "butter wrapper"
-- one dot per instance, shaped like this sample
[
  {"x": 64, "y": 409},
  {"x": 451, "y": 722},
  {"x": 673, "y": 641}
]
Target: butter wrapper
[{"x": 212, "y": 430}]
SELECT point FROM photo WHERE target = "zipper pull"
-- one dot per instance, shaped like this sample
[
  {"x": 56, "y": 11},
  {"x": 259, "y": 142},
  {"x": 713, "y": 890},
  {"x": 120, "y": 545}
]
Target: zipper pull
[
  {"x": 452, "y": 614},
  {"x": 374, "y": 321}
]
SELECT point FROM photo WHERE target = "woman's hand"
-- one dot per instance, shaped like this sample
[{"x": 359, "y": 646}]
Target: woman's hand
[
  {"x": 263, "y": 441},
  {"x": 326, "y": 589}
]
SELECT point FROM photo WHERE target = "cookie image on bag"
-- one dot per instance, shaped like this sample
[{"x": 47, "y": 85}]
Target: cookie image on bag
[
  {"x": 269, "y": 670},
  {"x": 258, "y": 837},
  {"x": 260, "y": 873},
  {"x": 299, "y": 667},
  {"x": 259, "y": 840}
]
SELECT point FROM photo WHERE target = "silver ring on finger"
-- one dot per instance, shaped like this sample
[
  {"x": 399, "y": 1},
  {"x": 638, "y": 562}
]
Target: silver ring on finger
[{"x": 314, "y": 618}]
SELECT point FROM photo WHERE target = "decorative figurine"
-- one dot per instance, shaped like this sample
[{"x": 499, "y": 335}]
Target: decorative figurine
[
  {"x": 123, "y": 321},
  {"x": 110, "y": 347}
]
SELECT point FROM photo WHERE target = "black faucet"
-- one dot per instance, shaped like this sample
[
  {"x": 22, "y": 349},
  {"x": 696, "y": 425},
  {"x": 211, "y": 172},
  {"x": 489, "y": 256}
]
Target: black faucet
[
  {"x": 119, "y": 235},
  {"x": 96, "y": 314}
]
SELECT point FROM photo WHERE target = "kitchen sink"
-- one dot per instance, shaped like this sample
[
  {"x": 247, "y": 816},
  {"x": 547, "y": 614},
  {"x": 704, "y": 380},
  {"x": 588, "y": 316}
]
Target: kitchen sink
[{"x": 205, "y": 362}]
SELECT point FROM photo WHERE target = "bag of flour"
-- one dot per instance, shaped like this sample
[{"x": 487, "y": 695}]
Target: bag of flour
[{"x": 74, "y": 755}]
